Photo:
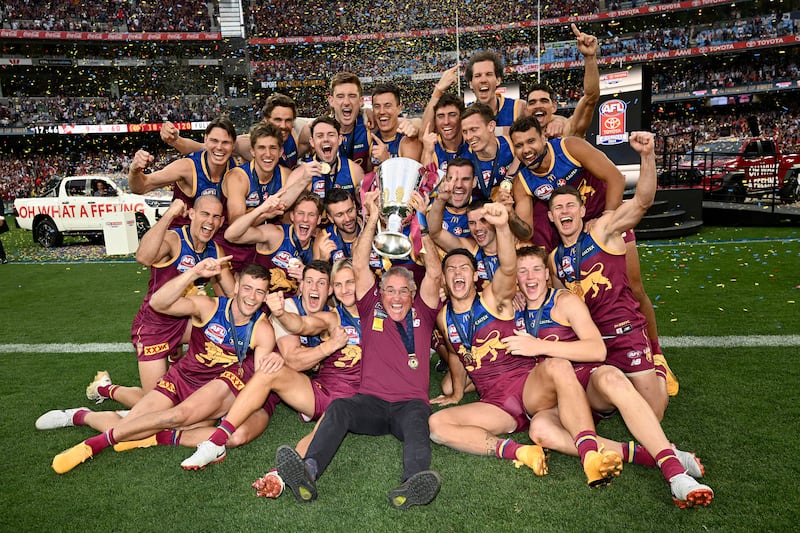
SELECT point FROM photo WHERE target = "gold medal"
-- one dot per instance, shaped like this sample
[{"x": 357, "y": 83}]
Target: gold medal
[
  {"x": 468, "y": 359},
  {"x": 506, "y": 185},
  {"x": 324, "y": 167},
  {"x": 413, "y": 362}
]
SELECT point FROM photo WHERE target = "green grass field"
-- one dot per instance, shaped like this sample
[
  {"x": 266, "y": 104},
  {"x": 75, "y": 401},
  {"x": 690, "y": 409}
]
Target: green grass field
[{"x": 736, "y": 409}]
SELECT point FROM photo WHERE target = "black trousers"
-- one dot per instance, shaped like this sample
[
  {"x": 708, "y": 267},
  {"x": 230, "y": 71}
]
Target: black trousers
[{"x": 367, "y": 415}]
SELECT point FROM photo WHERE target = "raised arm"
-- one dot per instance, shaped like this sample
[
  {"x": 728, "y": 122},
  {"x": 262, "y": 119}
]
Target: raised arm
[
  {"x": 432, "y": 282},
  {"x": 523, "y": 208},
  {"x": 626, "y": 216},
  {"x": 365, "y": 279},
  {"x": 600, "y": 166},
  {"x": 504, "y": 284},
  {"x": 178, "y": 172},
  {"x": 169, "y": 299},
  {"x": 448, "y": 79},
  {"x": 171, "y": 135},
  {"x": 244, "y": 230},
  {"x": 581, "y": 118},
  {"x": 155, "y": 247}
]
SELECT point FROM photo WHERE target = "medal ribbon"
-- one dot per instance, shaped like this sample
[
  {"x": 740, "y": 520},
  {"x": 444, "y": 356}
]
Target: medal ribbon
[
  {"x": 537, "y": 318},
  {"x": 407, "y": 334},
  {"x": 576, "y": 265},
  {"x": 466, "y": 340},
  {"x": 240, "y": 344}
]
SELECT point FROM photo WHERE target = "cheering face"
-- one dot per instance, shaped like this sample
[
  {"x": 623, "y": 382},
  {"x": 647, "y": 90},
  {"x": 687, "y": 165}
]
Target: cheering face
[
  {"x": 397, "y": 295},
  {"x": 484, "y": 82},
  {"x": 305, "y": 219},
  {"x": 266, "y": 153},
  {"x": 344, "y": 216},
  {"x": 205, "y": 219},
  {"x": 448, "y": 123},
  {"x": 483, "y": 232},
  {"x": 462, "y": 181},
  {"x": 529, "y": 147},
  {"x": 532, "y": 276},
  {"x": 460, "y": 277},
  {"x": 251, "y": 293},
  {"x": 566, "y": 213},
  {"x": 325, "y": 141},
  {"x": 315, "y": 288},
  {"x": 540, "y": 105},
  {"x": 283, "y": 118},
  {"x": 219, "y": 146},
  {"x": 477, "y": 133},
  {"x": 387, "y": 112},
  {"x": 344, "y": 287},
  {"x": 345, "y": 100}
]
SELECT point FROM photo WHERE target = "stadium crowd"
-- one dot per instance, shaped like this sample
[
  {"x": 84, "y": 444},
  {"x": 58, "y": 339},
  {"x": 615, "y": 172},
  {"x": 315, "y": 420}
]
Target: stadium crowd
[{"x": 114, "y": 15}]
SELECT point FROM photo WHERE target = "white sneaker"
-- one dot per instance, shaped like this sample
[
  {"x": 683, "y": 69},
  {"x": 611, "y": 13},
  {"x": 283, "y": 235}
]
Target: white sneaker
[
  {"x": 58, "y": 418},
  {"x": 101, "y": 379},
  {"x": 690, "y": 463},
  {"x": 207, "y": 453},
  {"x": 687, "y": 492}
]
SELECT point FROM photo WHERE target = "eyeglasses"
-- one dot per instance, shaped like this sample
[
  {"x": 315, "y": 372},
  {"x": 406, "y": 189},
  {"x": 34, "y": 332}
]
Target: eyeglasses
[{"x": 391, "y": 291}]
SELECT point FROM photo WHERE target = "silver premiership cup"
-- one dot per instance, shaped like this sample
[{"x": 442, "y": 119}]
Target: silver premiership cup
[{"x": 397, "y": 179}]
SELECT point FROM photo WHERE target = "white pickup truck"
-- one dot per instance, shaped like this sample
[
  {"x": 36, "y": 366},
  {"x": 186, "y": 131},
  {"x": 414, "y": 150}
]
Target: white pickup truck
[{"x": 77, "y": 205}]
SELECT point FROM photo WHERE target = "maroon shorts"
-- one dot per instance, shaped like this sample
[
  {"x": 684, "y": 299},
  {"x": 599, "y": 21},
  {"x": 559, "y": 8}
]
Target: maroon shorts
[
  {"x": 325, "y": 392},
  {"x": 178, "y": 384},
  {"x": 156, "y": 336},
  {"x": 508, "y": 397},
  {"x": 243, "y": 254},
  {"x": 583, "y": 371},
  {"x": 630, "y": 352}
]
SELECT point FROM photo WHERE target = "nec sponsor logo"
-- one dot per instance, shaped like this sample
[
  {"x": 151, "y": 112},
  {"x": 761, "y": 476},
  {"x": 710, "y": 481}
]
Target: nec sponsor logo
[{"x": 216, "y": 333}]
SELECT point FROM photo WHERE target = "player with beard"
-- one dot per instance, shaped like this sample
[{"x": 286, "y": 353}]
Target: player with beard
[
  {"x": 592, "y": 265},
  {"x": 511, "y": 387},
  {"x": 335, "y": 171},
  {"x": 335, "y": 242},
  {"x": 283, "y": 249},
  {"x": 395, "y": 137},
  {"x": 548, "y": 164},
  {"x": 230, "y": 338},
  {"x": 444, "y": 142},
  {"x": 556, "y": 323},
  {"x": 460, "y": 179}
]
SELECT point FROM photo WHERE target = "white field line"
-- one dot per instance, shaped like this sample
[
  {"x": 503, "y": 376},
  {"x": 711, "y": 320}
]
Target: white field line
[{"x": 731, "y": 341}]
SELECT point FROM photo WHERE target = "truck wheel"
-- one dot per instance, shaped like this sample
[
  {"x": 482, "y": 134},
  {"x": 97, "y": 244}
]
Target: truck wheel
[
  {"x": 47, "y": 234},
  {"x": 790, "y": 192},
  {"x": 142, "y": 225}
]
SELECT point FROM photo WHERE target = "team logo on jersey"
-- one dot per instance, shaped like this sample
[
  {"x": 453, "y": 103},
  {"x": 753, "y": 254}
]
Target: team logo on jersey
[
  {"x": 216, "y": 333},
  {"x": 253, "y": 199},
  {"x": 543, "y": 191},
  {"x": 482, "y": 270},
  {"x": 520, "y": 322},
  {"x": 209, "y": 192},
  {"x": 452, "y": 333},
  {"x": 187, "y": 262},
  {"x": 353, "y": 336},
  {"x": 338, "y": 254},
  {"x": 318, "y": 188},
  {"x": 281, "y": 259}
]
